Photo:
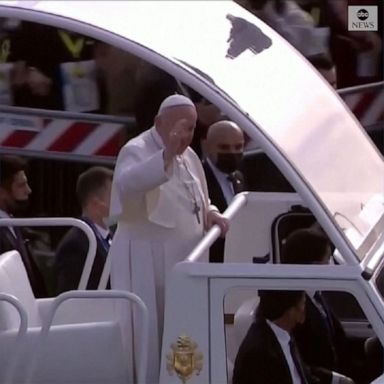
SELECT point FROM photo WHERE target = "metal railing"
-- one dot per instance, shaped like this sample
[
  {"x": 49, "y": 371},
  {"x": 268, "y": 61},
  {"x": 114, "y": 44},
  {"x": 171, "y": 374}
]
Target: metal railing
[
  {"x": 121, "y": 122},
  {"x": 360, "y": 88},
  {"x": 52, "y": 114},
  {"x": 213, "y": 234},
  {"x": 128, "y": 121},
  {"x": 62, "y": 221}
]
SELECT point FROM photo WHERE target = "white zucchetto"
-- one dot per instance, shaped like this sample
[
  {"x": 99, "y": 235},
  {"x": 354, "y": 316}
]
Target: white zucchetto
[{"x": 175, "y": 101}]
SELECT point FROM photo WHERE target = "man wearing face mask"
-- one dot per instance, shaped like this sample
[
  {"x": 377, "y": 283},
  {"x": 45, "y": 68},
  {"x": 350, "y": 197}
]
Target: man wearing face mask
[
  {"x": 14, "y": 195},
  {"x": 224, "y": 145},
  {"x": 93, "y": 190}
]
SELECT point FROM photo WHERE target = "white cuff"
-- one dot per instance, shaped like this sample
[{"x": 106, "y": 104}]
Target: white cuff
[{"x": 336, "y": 377}]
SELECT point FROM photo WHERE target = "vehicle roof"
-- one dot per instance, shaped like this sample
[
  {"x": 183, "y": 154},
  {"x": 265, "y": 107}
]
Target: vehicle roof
[{"x": 262, "y": 83}]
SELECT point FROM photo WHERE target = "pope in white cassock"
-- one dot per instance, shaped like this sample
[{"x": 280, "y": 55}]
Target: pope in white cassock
[{"x": 160, "y": 200}]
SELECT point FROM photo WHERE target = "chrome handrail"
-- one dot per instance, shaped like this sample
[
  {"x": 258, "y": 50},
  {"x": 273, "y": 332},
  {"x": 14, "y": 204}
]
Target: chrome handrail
[
  {"x": 53, "y": 114},
  {"x": 213, "y": 234},
  {"x": 56, "y": 222},
  {"x": 359, "y": 88}
]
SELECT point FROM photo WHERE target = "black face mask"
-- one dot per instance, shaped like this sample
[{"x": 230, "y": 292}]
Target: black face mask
[{"x": 228, "y": 162}]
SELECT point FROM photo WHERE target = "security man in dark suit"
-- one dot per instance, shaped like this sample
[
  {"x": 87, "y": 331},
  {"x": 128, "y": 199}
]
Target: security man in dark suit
[
  {"x": 14, "y": 195},
  {"x": 321, "y": 338},
  {"x": 93, "y": 191},
  {"x": 268, "y": 354},
  {"x": 224, "y": 151}
]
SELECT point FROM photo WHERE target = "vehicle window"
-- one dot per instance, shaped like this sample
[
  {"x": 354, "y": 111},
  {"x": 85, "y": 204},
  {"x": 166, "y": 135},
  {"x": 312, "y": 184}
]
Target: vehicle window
[{"x": 323, "y": 331}]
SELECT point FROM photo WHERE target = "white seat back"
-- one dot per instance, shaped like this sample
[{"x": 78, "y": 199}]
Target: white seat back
[
  {"x": 243, "y": 319},
  {"x": 89, "y": 352},
  {"x": 14, "y": 281}
]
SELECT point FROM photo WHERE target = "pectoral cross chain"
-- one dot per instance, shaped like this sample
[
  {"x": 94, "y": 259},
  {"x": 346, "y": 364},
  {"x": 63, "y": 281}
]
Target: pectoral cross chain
[{"x": 196, "y": 210}]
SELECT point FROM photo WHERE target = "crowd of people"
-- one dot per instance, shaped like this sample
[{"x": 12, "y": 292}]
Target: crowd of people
[
  {"x": 46, "y": 67},
  {"x": 320, "y": 27}
]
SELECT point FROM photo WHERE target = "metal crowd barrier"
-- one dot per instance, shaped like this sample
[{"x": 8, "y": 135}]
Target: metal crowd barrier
[
  {"x": 62, "y": 221},
  {"x": 79, "y": 149}
]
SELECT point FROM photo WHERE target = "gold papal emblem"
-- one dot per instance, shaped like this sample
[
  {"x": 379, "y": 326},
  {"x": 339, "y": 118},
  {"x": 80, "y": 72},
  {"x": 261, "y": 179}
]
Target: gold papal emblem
[{"x": 184, "y": 359}]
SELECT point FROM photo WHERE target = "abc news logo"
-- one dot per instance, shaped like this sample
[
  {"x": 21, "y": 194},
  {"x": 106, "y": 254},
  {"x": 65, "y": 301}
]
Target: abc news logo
[
  {"x": 362, "y": 18},
  {"x": 362, "y": 14}
]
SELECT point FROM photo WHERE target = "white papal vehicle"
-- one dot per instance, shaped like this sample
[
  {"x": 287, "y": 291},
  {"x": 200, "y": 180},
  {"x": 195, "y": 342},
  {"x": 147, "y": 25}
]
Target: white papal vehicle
[{"x": 263, "y": 84}]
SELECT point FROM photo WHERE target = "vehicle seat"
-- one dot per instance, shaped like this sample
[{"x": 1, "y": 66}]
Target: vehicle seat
[
  {"x": 243, "y": 319},
  {"x": 80, "y": 351}
]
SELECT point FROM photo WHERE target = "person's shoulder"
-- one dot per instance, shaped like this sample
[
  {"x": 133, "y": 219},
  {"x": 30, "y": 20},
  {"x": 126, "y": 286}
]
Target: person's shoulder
[
  {"x": 134, "y": 147},
  {"x": 192, "y": 154},
  {"x": 254, "y": 342},
  {"x": 73, "y": 237},
  {"x": 137, "y": 140}
]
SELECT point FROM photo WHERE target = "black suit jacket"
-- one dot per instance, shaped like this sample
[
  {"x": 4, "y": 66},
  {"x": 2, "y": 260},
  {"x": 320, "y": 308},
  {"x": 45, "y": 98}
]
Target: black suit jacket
[
  {"x": 322, "y": 343},
  {"x": 9, "y": 242},
  {"x": 216, "y": 195},
  {"x": 70, "y": 259},
  {"x": 261, "y": 360}
]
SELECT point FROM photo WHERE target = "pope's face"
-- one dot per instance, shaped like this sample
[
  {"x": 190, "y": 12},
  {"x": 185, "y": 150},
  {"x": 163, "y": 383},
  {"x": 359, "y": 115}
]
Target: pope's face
[{"x": 166, "y": 123}]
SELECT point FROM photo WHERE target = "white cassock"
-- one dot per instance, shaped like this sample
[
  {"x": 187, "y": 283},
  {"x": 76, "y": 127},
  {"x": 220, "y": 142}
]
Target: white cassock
[{"x": 157, "y": 227}]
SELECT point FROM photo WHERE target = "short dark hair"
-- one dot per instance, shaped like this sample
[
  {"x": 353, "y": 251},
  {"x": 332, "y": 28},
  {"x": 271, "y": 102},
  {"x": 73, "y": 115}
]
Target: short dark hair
[
  {"x": 305, "y": 246},
  {"x": 92, "y": 181},
  {"x": 321, "y": 61},
  {"x": 273, "y": 304},
  {"x": 9, "y": 167}
]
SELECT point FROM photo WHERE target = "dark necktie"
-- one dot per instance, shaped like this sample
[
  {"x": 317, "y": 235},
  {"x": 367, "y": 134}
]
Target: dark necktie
[
  {"x": 107, "y": 241},
  {"x": 297, "y": 361},
  {"x": 237, "y": 184},
  {"x": 325, "y": 313}
]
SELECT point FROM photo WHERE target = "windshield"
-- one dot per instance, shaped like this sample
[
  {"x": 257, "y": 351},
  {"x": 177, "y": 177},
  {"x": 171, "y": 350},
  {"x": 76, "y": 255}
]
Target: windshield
[{"x": 294, "y": 108}]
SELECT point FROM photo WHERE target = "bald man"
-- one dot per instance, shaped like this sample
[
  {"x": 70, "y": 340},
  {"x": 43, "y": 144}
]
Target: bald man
[
  {"x": 160, "y": 200},
  {"x": 224, "y": 151}
]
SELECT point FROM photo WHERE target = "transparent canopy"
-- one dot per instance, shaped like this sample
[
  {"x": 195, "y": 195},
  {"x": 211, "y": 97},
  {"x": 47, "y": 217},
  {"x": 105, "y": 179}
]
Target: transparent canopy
[{"x": 293, "y": 114}]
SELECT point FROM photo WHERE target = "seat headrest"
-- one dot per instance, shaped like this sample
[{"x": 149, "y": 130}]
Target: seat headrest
[{"x": 14, "y": 281}]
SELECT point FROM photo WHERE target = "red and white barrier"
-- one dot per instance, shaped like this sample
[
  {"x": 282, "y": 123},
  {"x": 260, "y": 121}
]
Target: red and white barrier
[
  {"x": 59, "y": 135},
  {"x": 81, "y": 138},
  {"x": 368, "y": 106}
]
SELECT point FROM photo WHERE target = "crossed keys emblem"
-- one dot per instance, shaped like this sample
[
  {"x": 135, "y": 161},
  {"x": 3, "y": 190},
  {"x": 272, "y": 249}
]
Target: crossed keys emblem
[{"x": 184, "y": 359}]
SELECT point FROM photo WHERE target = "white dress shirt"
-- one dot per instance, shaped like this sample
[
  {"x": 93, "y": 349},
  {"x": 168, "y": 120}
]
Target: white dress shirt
[
  {"x": 284, "y": 338},
  {"x": 222, "y": 179},
  {"x": 104, "y": 233}
]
